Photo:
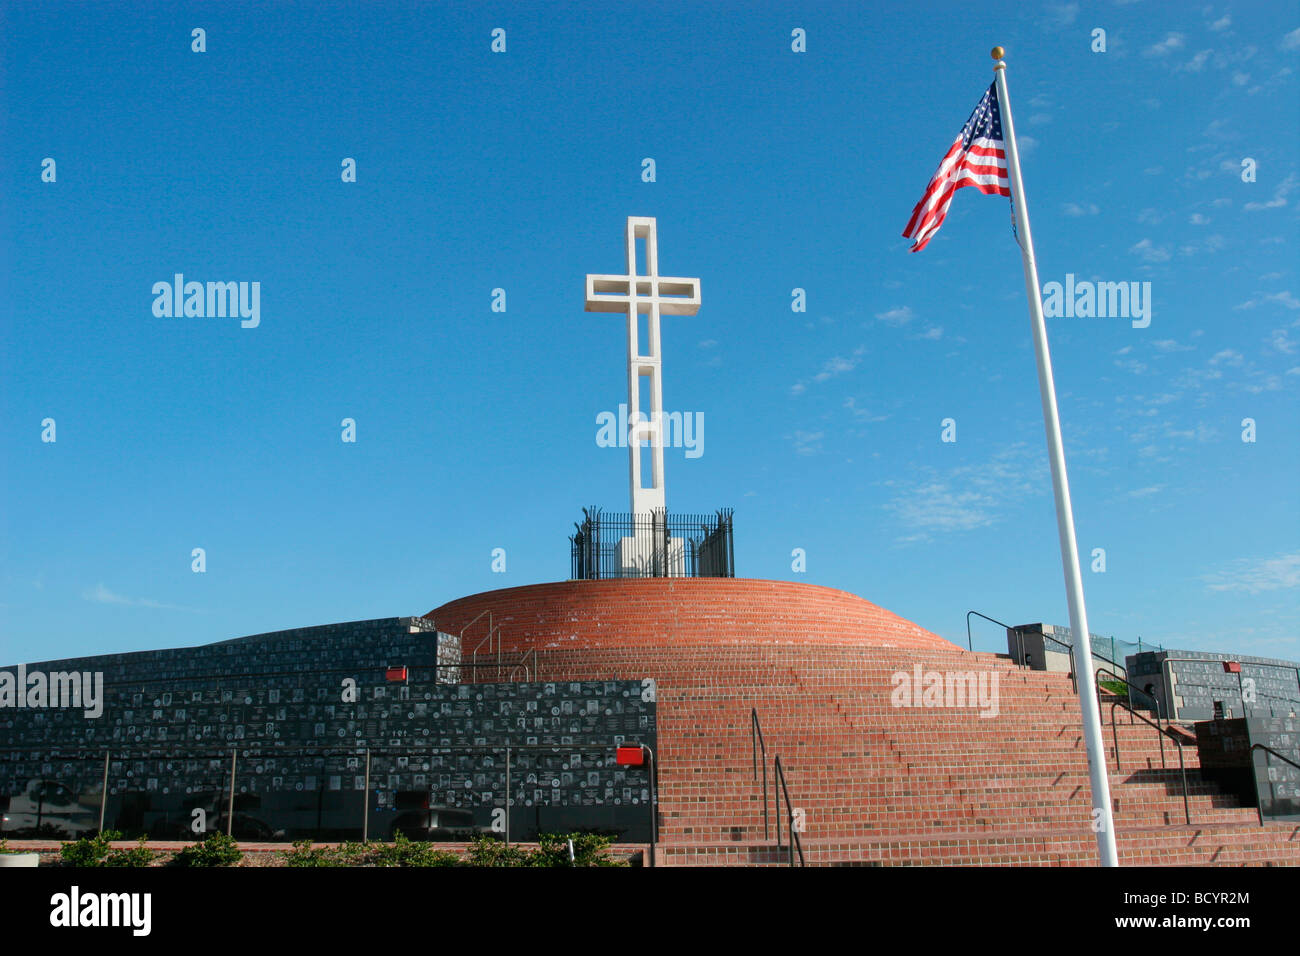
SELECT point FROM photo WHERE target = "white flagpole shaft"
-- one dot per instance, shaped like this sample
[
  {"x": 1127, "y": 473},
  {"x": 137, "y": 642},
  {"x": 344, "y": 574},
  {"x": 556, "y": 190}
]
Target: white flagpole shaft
[{"x": 1103, "y": 819}]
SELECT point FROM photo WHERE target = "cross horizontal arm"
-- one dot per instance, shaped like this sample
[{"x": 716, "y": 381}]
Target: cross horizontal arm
[{"x": 676, "y": 296}]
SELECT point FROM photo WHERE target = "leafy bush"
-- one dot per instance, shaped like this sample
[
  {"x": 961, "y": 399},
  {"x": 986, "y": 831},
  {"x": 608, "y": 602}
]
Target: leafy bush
[
  {"x": 589, "y": 849},
  {"x": 350, "y": 853},
  {"x": 216, "y": 849},
  {"x": 403, "y": 852},
  {"x": 89, "y": 851},
  {"x": 489, "y": 851},
  {"x": 96, "y": 851},
  {"x": 304, "y": 854},
  {"x": 138, "y": 855}
]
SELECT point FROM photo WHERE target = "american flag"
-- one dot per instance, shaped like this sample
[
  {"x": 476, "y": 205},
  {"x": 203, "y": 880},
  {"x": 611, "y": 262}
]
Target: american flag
[{"x": 977, "y": 158}]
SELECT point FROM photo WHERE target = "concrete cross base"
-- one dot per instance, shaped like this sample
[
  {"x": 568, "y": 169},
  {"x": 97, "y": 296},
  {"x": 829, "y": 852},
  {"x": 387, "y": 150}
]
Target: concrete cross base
[{"x": 639, "y": 557}]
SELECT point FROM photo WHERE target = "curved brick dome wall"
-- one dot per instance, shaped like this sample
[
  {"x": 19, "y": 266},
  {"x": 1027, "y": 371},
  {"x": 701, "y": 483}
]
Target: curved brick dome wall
[
  {"x": 879, "y": 783},
  {"x": 663, "y": 612}
]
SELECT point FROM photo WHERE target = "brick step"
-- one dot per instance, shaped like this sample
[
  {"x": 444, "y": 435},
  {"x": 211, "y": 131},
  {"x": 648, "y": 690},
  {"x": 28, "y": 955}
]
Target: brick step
[{"x": 1242, "y": 844}]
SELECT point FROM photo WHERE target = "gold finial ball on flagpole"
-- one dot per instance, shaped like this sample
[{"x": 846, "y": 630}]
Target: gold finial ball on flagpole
[{"x": 998, "y": 53}]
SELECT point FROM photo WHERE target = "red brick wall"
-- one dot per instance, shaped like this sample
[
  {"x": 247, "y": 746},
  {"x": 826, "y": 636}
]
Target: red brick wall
[{"x": 667, "y": 612}]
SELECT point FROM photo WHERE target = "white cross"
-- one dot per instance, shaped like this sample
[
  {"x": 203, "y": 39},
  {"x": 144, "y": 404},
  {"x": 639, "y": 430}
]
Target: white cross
[{"x": 651, "y": 293}]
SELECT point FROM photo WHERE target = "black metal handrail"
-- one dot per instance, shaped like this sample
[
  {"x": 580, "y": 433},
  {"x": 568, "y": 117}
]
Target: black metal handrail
[
  {"x": 755, "y": 742},
  {"x": 795, "y": 842},
  {"x": 1131, "y": 687},
  {"x": 1074, "y": 681},
  {"x": 529, "y": 675},
  {"x": 1073, "y": 668},
  {"x": 970, "y": 646},
  {"x": 1182, "y": 766},
  {"x": 1259, "y": 803},
  {"x": 492, "y": 631}
]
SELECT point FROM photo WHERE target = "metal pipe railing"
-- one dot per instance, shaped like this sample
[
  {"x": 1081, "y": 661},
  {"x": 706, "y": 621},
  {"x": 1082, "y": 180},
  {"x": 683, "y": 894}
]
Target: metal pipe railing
[
  {"x": 969, "y": 644},
  {"x": 795, "y": 841},
  {"x": 1182, "y": 766},
  {"x": 1259, "y": 801},
  {"x": 1130, "y": 687},
  {"x": 755, "y": 742}
]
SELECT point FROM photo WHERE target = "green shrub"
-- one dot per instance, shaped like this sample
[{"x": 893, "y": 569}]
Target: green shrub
[
  {"x": 589, "y": 849},
  {"x": 304, "y": 854},
  {"x": 138, "y": 855},
  {"x": 216, "y": 849},
  {"x": 403, "y": 852},
  {"x": 89, "y": 851},
  {"x": 351, "y": 853},
  {"x": 489, "y": 851}
]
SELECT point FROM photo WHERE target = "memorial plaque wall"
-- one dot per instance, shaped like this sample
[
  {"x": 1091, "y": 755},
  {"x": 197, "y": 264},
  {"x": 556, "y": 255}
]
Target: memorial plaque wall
[
  {"x": 1264, "y": 687},
  {"x": 300, "y": 709}
]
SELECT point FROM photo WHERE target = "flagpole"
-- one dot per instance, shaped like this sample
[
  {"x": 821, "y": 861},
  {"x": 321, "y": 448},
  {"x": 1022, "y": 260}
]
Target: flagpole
[{"x": 1103, "y": 818}]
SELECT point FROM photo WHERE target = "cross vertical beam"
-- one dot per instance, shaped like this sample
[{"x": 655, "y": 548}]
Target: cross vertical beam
[{"x": 635, "y": 293}]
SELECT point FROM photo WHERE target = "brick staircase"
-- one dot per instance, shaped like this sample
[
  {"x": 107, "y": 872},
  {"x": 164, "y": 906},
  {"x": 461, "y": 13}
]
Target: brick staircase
[
  {"x": 880, "y": 785},
  {"x": 884, "y": 785}
]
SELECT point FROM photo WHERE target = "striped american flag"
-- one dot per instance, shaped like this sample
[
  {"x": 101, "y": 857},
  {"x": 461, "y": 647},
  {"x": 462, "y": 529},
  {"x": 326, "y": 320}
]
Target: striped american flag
[{"x": 977, "y": 158}]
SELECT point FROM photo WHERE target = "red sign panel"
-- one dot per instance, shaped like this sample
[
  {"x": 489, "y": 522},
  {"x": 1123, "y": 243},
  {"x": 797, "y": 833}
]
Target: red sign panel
[{"x": 630, "y": 755}]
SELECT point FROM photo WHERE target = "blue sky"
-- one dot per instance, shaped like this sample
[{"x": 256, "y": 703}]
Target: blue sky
[{"x": 775, "y": 170}]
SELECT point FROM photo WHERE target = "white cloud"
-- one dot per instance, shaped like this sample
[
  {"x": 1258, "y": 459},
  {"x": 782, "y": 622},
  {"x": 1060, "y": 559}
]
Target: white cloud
[
  {"x": 1173, "y": 41},
  {"x": 1150, "y": 252},
  {"x": 1279, "y": 194},
  {"x": 969, "y": 496},
  {"x": 839, "y": 365},
  {"x": 1074, "y": 209},
  {"x": 102, "y": 595},
  {"x": 1292, "y": 40},
  {"x": 1254, "y": 575},
  {"x": 1218, "y": 26},
  {"x": 896, "y": 316},
  {"x": 1146, "y": 492},
  {"x": 1280, "y": 341},
  {"x": 833, "y": 367},
  {"x": 862, "y": 414},
  {"x": 808, "y": 443},
  {"x": 937, "y": 506},
  {"x": 1062, "y": 14},
  {"x": 1283, "y": 298}
]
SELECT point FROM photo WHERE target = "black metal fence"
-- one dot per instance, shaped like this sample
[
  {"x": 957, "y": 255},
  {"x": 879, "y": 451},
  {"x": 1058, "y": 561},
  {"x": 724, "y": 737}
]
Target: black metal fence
[{"x": 652, "y": 545}]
